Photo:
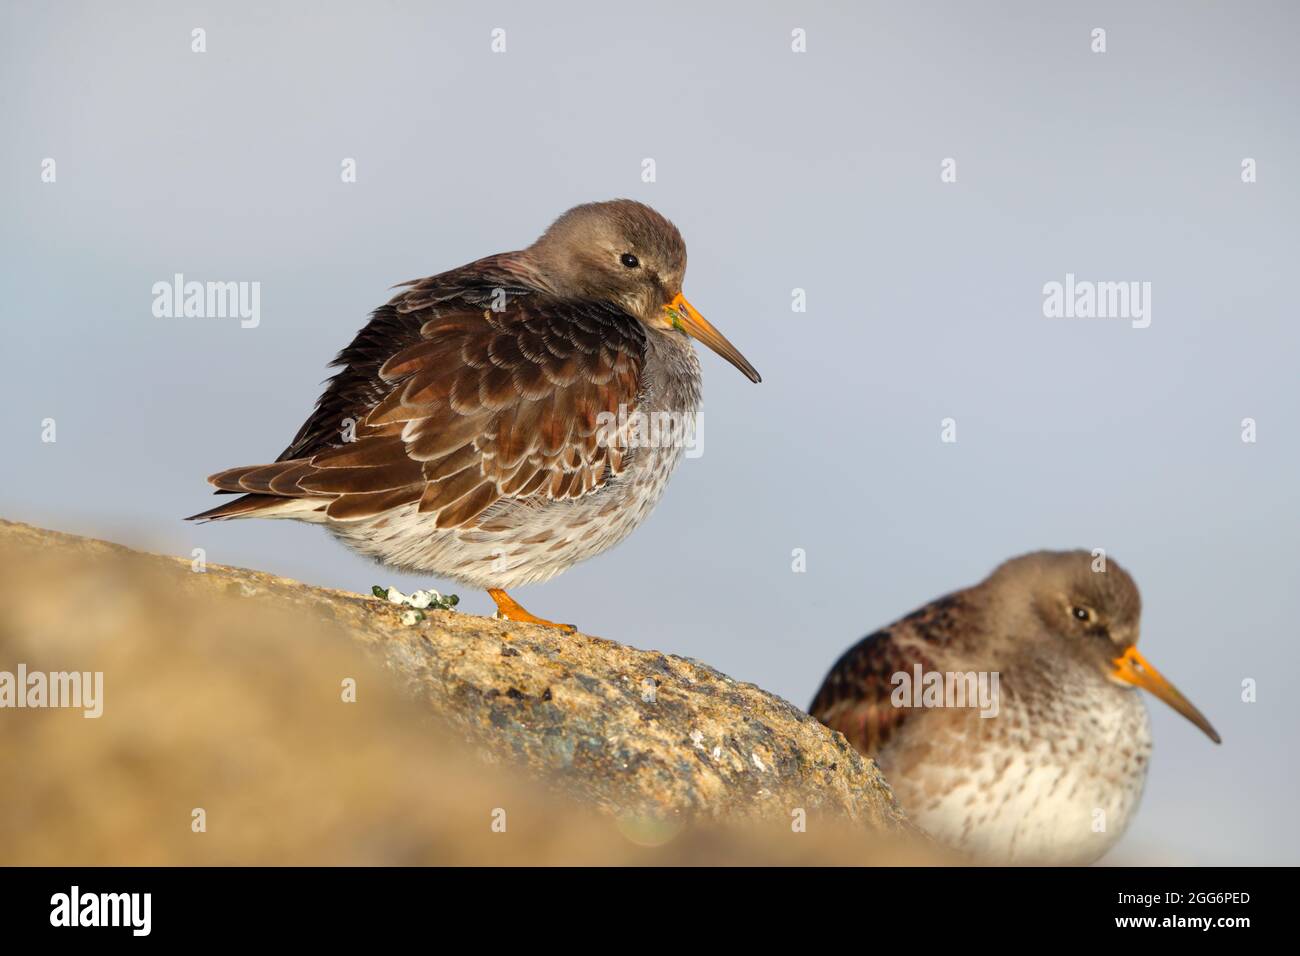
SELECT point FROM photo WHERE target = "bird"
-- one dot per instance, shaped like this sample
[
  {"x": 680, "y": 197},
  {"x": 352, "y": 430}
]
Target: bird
[
  {"x": 497, "y": 423},
  {"x": 1051, "y": 771}
]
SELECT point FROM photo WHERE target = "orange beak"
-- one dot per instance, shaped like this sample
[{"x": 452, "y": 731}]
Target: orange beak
[
  {"x": 1132, "y": 668},
  {"x": 684, "y": 317}
]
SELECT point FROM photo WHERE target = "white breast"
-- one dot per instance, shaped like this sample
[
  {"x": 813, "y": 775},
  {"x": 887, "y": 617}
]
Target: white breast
[
  {"x": 533, "y": 540},
  {"x": 1037, "y": 784}
]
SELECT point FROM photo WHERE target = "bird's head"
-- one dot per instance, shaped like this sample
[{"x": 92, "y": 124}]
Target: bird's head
[
  {"x": 624, "y": 253},
  {"x": 1092, "y": 605}
]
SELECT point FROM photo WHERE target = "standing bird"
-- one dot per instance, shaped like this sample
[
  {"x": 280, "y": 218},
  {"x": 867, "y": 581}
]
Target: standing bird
[
  {"x": 488, "y": 424},
  {"x": 1054, "y": 776}
]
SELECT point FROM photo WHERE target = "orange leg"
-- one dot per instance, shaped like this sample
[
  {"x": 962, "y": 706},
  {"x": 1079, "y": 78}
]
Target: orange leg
[{"x": 512, "y": 610}]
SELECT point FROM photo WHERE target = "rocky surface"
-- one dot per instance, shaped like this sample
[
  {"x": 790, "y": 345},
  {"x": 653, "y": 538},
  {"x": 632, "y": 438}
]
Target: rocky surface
[{"x": 224, "y": 687}]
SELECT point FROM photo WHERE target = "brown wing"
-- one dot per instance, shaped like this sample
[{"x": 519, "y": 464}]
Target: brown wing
[
  {"x": 357, "y": 387},
  {"x": 855, "y": 697},
  {"x": 480, "y": 405}
]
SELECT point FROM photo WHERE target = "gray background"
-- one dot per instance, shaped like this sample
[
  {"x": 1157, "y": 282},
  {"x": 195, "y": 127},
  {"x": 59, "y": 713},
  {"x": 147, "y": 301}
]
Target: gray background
[{"x": 818, "y": 171}]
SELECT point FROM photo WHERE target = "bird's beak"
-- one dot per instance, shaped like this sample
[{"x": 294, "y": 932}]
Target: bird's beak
[
  {"x": 1132, "y": 668},
  {"x": 683, "y": 316}
]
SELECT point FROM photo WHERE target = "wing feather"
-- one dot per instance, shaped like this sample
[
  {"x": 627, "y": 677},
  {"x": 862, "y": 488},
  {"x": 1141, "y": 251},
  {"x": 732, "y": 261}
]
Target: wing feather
[
  {"x": 855, "y": 697},
  {"x": 455, "y": 406}
]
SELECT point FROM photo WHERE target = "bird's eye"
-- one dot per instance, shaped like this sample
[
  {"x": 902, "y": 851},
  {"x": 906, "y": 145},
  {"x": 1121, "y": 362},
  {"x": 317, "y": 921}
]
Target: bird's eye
[
  {"x": 1082, "y": 613},
  {"x": 629, "y": 260}
]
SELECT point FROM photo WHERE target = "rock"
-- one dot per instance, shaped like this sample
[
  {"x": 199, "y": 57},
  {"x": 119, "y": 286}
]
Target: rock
[{"x": 227, "y": 691}]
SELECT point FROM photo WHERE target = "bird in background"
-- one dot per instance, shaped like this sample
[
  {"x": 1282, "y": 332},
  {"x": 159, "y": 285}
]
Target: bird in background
[
  {"x": 487, "y": 425},
  {"x": 1055, "y": 773}
]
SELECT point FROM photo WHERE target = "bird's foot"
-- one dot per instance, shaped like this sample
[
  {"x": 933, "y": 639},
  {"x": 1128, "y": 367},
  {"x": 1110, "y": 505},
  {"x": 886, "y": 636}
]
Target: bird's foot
[{"x": 512, "y": 610}]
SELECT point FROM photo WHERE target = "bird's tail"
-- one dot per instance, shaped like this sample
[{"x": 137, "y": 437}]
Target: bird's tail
[
  {"x": 270, "y": 491},
  {"x": 265, "y": 506}
]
